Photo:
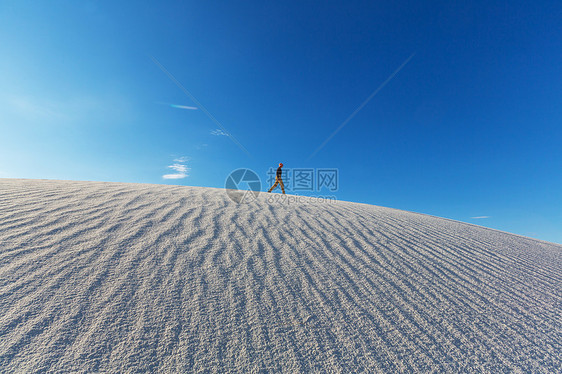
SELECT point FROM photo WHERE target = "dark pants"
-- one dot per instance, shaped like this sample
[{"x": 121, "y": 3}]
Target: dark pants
[{"x": 278, "y": 181}]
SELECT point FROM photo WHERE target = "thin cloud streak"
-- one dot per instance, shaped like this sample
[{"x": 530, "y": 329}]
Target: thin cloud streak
[
  {"x": 480, "y": 217},
  {"x": 66, "y": 109},
  {"x": 177, "y": 106},
  {"x": 183, "y": 107},
  {"x": 218, "y": 132}
]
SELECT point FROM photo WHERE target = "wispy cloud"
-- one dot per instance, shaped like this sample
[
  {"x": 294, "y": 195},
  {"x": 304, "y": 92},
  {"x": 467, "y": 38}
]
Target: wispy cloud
[
  {"x": 67, "y": 109},
  {"x": 218, "y": 132},
  {"x": 177, "y": 106},
  {"x": 181, "y": 170},
  {"x": 480, "y": 217},
  {"x": 36, "y": 109},
  {"x": 183, "y": 107}
]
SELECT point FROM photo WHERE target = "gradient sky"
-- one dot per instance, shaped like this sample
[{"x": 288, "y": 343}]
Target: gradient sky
[{"x": 469, "y": 129}]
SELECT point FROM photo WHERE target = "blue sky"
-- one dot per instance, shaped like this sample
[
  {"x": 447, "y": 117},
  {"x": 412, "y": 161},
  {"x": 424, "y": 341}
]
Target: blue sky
[{"x": 469, "y": 127}]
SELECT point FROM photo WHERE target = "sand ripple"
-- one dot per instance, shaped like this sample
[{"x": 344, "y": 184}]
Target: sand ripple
[{"x": 109, "y": 277}]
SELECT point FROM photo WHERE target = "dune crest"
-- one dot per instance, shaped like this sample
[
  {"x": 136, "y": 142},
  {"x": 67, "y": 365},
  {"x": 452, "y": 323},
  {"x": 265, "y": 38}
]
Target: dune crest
[{"x": 113, "y": 277}]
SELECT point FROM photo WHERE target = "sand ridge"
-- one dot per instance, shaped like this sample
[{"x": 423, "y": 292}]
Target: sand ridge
[{"x": 114, "y": 277}]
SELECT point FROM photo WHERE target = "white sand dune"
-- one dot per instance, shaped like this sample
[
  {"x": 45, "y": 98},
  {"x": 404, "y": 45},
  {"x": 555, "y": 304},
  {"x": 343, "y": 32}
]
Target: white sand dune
[{"x": 125, "y": 278}]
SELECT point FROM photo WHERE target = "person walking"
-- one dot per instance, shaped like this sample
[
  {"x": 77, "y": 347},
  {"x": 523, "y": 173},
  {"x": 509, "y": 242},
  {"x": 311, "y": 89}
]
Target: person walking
[{"x": 278, "y": 179}]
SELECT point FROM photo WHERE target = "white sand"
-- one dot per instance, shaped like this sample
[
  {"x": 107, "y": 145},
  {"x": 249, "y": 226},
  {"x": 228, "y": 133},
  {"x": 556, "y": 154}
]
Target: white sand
[{"x": 109, "y": 277}]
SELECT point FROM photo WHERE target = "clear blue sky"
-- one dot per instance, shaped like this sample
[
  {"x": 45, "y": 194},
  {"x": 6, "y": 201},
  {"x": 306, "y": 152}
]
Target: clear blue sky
[{"x": 470, "y": 127}]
